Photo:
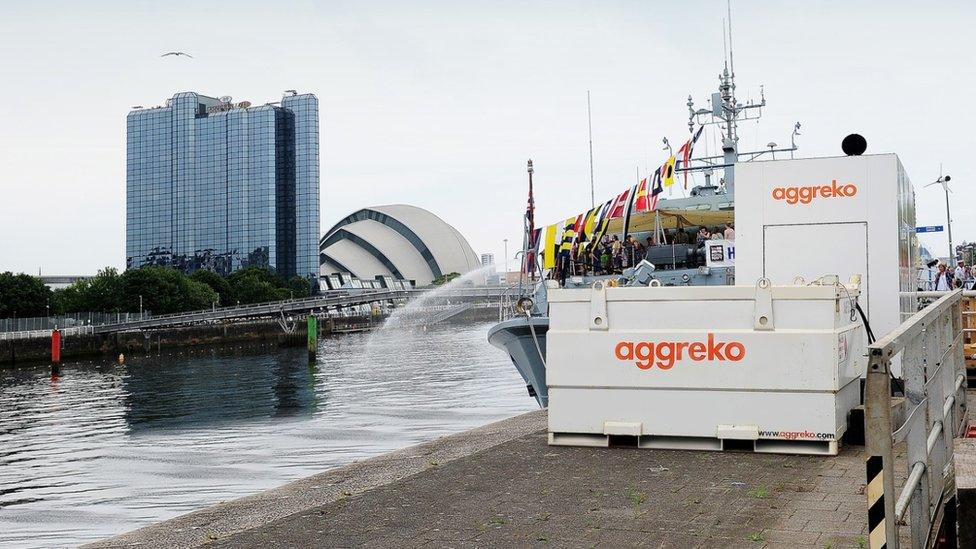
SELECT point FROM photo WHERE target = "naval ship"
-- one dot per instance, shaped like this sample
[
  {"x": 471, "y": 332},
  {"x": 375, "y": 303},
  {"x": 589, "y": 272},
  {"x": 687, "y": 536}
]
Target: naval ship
[{"x": 523, "y": 333}]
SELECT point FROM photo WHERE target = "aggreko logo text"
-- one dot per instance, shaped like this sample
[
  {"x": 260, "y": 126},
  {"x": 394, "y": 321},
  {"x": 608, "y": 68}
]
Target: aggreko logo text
[
  {"x": 805, "y": 195},
  {"x": 664, "y": 354}
]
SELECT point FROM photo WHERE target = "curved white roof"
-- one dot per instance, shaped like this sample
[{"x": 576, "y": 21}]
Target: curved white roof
[{"x": 405, "y": 241}]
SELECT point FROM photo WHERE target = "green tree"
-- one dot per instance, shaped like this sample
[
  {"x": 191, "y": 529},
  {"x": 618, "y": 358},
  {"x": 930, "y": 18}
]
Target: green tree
[
  {"x": 99, "y": 293},
  {"x": 22, "y": 295},
  {"x": 444, "y": 279},
  {"x": 66, "y": 300},
  {"x": 252, "y": 289},
  {"x": 298, "y": 287},
  {"x": 103, "y": 291},
  {"x": 255, "y": 285},
  {"x": 163, "y": 290},
  {"x": 217, "y": 283}
]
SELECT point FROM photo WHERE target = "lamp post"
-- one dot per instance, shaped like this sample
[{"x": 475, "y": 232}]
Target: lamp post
[
  {"x": 140, "y": 307},
  {"x": 505, "y": 240}
]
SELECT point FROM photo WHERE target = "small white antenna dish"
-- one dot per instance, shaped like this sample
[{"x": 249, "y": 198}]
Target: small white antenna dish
[{"x": 226, "y": 99}]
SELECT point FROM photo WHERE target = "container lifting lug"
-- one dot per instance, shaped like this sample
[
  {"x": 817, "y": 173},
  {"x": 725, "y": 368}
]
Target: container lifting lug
[
  {"x": 763, "y": 311},
  {"x": 598, "y": 307}
]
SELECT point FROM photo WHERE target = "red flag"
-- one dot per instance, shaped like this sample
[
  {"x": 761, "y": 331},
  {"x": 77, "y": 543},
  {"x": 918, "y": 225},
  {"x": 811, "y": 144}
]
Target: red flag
[
  {"x": 617, "y": 210},
  {"x": 686, "y": 150},
  {"x": 643, "y": 198},
  {"x": 684, "y": 155},
  {"x": 533, "y": 249}
]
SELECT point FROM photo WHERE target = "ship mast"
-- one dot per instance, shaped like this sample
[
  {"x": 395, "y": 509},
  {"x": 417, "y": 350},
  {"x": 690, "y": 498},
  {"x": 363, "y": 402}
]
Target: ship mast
[{"x": 726, "y": 112}]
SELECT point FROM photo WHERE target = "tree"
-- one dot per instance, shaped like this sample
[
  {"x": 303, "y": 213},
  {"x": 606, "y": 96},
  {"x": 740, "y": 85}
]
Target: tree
[
  {"x": 444, "y": 279},
  {"x": 298, "y": 287},
  {"x": 252, "y": 289},
  {"x": 160, "y": 290},
  {"x": 164, "y": 290},
  {"x": 99, "y": 293},
  {"x": 255, "y": 285},
  {"x": 22, "y": 295},
  {"x": 217, "y": 283}
]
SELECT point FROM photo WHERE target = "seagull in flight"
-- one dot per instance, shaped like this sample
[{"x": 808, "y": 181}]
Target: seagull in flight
[{"x": 177, "y": 54}]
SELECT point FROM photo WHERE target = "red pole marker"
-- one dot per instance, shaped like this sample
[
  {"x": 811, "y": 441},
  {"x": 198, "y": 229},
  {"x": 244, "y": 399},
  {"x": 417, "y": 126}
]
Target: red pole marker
[{"x": 55, "y": 346}]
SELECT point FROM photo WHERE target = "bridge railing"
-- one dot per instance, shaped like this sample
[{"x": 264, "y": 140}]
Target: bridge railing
[{"x": 929, "y": 345}]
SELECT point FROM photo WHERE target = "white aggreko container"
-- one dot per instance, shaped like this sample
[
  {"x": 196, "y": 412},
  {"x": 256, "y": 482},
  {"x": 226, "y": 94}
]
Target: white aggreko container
[
  {"x": 763, "y": 368},
  {"x": 840, "y": 215}
]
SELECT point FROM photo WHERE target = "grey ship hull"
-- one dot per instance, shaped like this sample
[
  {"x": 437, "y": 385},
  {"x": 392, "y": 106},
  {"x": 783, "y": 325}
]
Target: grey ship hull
[{"x": 515, "y": 337}]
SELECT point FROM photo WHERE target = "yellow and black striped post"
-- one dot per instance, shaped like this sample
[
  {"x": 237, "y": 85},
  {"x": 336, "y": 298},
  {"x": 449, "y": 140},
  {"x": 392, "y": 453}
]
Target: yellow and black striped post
[
  {"x": 875, "y": 491},
  {"x": 880, "y": 482}
]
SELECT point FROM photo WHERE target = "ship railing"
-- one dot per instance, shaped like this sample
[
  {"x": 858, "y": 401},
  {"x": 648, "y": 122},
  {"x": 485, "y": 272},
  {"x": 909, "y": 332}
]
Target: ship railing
[{"x": 929, "y": 346}]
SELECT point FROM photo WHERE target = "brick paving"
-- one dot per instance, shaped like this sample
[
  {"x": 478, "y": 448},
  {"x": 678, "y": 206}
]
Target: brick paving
[{"x": 525, "y": 493}]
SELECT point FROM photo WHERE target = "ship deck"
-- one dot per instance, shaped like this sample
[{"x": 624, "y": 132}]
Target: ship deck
[{"x": 502, "y": 485}]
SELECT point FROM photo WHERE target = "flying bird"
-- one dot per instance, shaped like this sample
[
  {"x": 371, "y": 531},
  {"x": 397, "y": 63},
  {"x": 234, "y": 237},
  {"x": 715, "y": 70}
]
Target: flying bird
[{"x": 176, "y": 53}]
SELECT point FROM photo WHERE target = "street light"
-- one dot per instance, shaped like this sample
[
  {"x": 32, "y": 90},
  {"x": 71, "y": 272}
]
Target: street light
[
  {"x": 944, "y": 181},
  {"x": 506, "y": 258},
  {"x": 140, "y": 307}
]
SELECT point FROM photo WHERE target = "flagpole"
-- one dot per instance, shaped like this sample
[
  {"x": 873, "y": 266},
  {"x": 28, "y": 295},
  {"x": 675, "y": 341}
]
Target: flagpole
[
  {"x": 530, "y": 215},
  {"x": 589, "y": 125}
]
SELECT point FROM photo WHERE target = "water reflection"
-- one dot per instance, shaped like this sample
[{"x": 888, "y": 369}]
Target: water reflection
[
  {"x": 163, "y": 392},
  {"x": 107, "y": 448}
]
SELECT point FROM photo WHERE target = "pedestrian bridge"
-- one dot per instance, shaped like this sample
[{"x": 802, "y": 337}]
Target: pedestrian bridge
[{"x": 326, "y": 301}]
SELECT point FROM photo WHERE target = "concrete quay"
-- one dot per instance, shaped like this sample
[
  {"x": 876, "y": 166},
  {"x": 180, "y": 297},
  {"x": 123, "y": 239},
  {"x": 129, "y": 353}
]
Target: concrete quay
[{"x": 501, "y": 485}]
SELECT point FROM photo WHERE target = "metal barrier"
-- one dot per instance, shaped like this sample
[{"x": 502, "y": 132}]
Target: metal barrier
[
  {"x": 36, "y": 334},
  {"x": 930, "y": 347}
]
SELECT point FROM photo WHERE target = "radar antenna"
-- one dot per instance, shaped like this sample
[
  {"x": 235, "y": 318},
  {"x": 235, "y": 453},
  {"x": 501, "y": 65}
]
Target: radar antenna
[{"x": 726, "y": 112}]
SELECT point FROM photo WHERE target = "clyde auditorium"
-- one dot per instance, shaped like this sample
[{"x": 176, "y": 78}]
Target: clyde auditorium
[{"x": 405, "y": 242}]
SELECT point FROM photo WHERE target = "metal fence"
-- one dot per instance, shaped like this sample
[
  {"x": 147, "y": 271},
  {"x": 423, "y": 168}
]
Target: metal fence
[
  {"x": 67, "y": 321},
  {"x": 929, "y": 346},
  {"x": 33, "y": 334}
]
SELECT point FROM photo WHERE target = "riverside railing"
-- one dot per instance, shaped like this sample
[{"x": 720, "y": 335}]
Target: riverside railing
[
  {"x": 929, "y": 345},
  {"x": 31, "y": 324},
  {"x": 33, "y": 334}
]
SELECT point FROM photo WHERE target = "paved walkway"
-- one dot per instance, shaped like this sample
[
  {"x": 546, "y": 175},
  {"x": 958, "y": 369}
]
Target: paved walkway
[{"x": 503, "y": 486}]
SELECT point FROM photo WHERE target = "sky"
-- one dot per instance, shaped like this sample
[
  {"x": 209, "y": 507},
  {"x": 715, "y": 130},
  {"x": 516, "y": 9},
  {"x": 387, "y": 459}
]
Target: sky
[{"x": 440, "y": 104}]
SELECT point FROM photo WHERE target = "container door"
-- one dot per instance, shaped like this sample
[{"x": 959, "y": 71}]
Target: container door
[{"x": 816, "y": 249}]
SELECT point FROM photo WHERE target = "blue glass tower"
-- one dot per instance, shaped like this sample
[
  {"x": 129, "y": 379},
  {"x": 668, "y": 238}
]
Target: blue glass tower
[{"x": 212, "y": 184}]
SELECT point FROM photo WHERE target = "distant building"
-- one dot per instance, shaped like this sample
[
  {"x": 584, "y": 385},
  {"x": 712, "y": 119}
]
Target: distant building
[
  {"x": 488, "y": 264},
  {"x": 212, "y": 184},
  {"x": 405, "y": 242},
  {"x": 58, "y": 282}
]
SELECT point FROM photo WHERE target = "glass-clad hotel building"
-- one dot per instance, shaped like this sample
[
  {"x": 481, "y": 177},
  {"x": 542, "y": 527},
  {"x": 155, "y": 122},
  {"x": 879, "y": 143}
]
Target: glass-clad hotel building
[{"x": 212, "y": 184}]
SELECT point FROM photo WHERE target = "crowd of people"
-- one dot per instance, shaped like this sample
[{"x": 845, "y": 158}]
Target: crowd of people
[
  {"x": 612, "y": 254},
  {"x": 950, "y": 279}
]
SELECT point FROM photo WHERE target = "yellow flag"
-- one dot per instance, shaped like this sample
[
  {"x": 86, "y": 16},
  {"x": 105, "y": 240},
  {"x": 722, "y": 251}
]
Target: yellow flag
[
  {"x": 669, "y": 172},
  {"x": 549, "y": 261},
  {"x": 588, "y": 222}
]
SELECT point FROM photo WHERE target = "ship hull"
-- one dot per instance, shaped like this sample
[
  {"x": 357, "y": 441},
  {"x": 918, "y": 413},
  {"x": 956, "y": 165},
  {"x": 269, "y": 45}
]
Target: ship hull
[{"x": 527, "y": 351}]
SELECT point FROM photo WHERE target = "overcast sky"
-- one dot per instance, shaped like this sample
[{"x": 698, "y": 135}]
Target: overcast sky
[{"x": 439, "y": 104}]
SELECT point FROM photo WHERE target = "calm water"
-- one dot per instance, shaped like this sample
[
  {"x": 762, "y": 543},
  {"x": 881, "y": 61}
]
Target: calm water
[{"x": 108, "y": 448}]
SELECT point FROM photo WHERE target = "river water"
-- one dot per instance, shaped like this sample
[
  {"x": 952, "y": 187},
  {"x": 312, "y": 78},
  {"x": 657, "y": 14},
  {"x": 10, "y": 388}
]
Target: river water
[{"x": 107, "y": 448}]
